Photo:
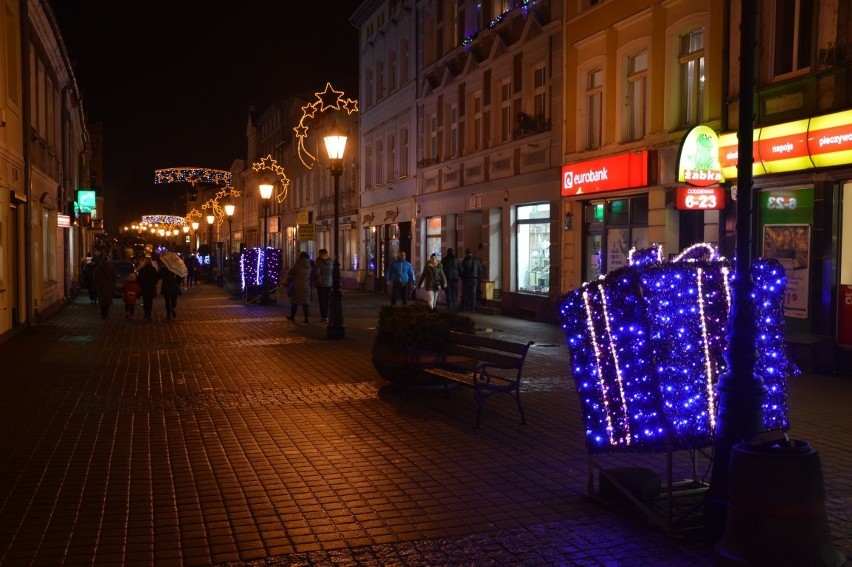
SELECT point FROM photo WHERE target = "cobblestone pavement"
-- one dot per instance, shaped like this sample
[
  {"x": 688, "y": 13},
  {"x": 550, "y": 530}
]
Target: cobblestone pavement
[{"x": 231, "y": 436}]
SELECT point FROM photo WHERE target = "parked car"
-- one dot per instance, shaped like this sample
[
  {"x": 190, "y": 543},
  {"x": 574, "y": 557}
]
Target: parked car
[{"x": 122, "y": 270}]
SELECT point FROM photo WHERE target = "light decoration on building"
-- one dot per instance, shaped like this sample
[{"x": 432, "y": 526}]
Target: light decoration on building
[
  {"x": 329, "y": 99},
  {"x": 252, "y": 266},
  {"x": 165, "y": 220},
  {"x": 647, "y": 347},
  {"x": 192, "y": 175},
  {"x": 271, "y": 164},
  {"x": 522, "y": 5}
]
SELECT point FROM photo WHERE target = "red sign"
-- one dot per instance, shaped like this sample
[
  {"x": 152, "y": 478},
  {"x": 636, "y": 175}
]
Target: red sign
[
  {"x": 63, "y": 221},
  {"x": 830, "y": 139},
  {"x": 700, "y": 198},
  {"x": 611, "y": 173},
  {"x": 784, "y": 147}
]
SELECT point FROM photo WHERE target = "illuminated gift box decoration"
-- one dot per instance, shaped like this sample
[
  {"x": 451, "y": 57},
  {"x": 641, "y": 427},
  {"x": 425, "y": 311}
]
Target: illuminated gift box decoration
[
  {"x": 252, "y": 267},
  {"x": 647, "y": 345}
]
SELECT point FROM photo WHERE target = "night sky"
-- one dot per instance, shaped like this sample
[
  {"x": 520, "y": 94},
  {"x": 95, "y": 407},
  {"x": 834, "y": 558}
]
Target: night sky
[{"x": 172, "y": 80}]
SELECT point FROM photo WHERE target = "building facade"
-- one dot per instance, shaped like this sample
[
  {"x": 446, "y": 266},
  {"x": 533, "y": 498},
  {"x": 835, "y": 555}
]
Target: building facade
[{"x": 44, "y": 159}]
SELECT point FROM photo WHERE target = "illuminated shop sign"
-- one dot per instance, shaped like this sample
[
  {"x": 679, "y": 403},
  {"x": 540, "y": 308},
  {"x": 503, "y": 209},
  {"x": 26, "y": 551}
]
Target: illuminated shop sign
[
  {"x": 622, "y": 171},
  {"x": 700, "y": 198},
  {"x": 698, "y": 162},
  {"x": 822, "y": 141},
  {"x": 86, "y": 201}
]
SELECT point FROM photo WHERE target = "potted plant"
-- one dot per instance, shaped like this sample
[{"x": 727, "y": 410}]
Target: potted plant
[{"x": 412, "y": 330}]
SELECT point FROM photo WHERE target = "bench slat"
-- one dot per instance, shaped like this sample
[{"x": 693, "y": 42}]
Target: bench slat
[{"x": 490, "y": 356}]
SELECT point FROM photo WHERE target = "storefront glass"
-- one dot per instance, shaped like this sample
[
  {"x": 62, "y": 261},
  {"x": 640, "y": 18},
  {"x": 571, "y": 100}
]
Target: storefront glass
[
  {"x": 533, "y": 239},
  {"x": 612, "y": 228}
]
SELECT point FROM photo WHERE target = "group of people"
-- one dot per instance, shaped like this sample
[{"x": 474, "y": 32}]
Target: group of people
[
  {"x": 304, "y": 275},
  {"x": 437, "y": 276},
  {"x": 99, "y": 278}
]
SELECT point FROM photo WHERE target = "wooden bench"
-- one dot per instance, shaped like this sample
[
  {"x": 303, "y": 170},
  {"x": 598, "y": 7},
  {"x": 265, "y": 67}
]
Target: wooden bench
[{"x": 488, "y": 365}]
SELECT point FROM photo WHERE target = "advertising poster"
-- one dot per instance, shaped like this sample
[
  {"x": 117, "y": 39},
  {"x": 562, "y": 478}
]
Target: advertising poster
[{"x": 790, "y": 244}]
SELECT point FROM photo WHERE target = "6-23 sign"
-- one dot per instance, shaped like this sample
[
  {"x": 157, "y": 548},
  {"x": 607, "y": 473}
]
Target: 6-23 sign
[{"x": 700, "y": 198}]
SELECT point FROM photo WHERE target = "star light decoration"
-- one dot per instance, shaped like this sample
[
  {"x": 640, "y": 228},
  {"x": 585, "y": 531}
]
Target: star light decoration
[
  {"x": 647, "y": 344},
  {"x": 270, "y": 164},
  {"x": 329, "y": 99},
  {"x": 213, "y": 204}
]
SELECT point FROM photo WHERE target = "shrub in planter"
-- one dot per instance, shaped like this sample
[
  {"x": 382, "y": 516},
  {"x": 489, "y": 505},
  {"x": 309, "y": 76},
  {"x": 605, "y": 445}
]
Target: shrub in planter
[{"x": 406, "y": 327}]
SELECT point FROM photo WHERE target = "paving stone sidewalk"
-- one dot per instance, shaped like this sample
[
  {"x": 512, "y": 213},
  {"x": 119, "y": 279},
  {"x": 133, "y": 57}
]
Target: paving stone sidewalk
[{"x": 231, "y": 436}]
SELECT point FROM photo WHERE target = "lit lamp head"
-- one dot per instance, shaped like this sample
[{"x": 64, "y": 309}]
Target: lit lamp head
[
  {"x": 335, "y": 145},
  {"x": 229, "y": 209},
  {"x": 194, "y": 225},
  {"x": 185, "y": 229},
  {"x": 211, "y": 219},
  {"x": 265, "y": 191}
]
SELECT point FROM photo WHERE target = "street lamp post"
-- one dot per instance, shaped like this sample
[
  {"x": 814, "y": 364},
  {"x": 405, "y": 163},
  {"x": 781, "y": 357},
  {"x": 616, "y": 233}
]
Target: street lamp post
[
  {"x": 229, "y": 211},
  {"x": 266, "y": 197},
  {"x": 195, "y": 237},
  {"x": 335, "y": 144},
  {"x": 210, "y": 220}
]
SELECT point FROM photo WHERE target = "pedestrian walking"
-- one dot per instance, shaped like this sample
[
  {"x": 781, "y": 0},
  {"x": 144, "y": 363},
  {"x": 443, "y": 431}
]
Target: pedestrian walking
[
  {"x": 324, "y": 278},
  {"x": 104, "y": 281},
  {"x": 191, "y": 270},
  {"x": 299, "y": 279},
  {"x": 169, "y": 289},
  {"x": 433, "y": 280},
  {"x": 147, "y": 280},
  {"x": 400, "y": 277},
  {"x": 471, "y": 269},
  {"x": 87, "y": 278},
  {"x": 131, "y": 291},
  {"x": 452, "y": 271}
]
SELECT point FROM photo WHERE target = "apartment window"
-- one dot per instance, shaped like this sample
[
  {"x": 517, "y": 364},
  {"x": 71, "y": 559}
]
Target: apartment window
[
  {"x": 532, "y": 234},
  {"x": 540, "y": 92},
  {"x": 391, "y": 161},
  {"x": 793, "y": 29},
  {"x": 403, "y": 62},
  {"x": 13, "y": 47},
  {"x": 505, "y": 110},
  {"x": 637, "y": 93},
  {"x": 368, "y": 86},
  {"x": 433, "y": 136},
  {"x": 477, "y": 122},
  {"x": 594, "y": 109},
  {"x": 379, "y": 162},
  {"x": 454, "y": 131},
  {"x": 380, "y": 80},
  {"x": 391, "y": 71},
  {"x": 368, "y": 166},
  {"x": 692, "y": 78},
  {"x": 403, "y": 158},
  {"x": 460, "y": 22}
]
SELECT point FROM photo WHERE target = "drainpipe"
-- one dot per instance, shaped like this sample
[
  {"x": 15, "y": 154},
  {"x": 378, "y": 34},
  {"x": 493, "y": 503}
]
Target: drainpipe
[{"x": 28, "y": 174}]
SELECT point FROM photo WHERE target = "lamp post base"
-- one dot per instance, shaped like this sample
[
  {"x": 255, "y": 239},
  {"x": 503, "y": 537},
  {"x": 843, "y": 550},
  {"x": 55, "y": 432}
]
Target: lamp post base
[{"x": 336, "y": 328}]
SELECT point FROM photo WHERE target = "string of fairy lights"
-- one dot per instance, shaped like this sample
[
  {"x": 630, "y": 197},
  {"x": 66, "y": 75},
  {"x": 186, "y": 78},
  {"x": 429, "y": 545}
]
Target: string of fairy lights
[
  {"x": 194, "y": 176},
  {"x": 647, "y": 346}
]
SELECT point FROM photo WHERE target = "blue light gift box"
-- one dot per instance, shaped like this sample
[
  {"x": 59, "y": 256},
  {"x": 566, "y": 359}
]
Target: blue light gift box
[{"x": 647, "y": 345}]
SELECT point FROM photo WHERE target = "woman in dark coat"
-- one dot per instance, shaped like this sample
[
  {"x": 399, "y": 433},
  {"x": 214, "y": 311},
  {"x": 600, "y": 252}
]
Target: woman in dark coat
[
  {"x": 104, "y": 278},
  {"x": 147, "y": 280},
  {"x": 169, "y": 289},
  {"x": 301, "y": 276}
]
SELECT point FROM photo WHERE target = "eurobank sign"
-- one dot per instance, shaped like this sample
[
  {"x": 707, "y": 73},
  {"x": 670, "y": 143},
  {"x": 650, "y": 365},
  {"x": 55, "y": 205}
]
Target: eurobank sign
[
  {"x": 621, "y": 171},
  {"x": 822, "y": 141}
]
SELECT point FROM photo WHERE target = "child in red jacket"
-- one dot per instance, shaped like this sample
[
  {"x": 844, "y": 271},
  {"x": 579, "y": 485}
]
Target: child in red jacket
[{"x": 131, "y": 291}]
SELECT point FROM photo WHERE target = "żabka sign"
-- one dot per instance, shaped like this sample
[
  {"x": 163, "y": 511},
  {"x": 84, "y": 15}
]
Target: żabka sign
[
  {"x": 610, "y": 173},
  {"x": 822, "y": 141}
]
